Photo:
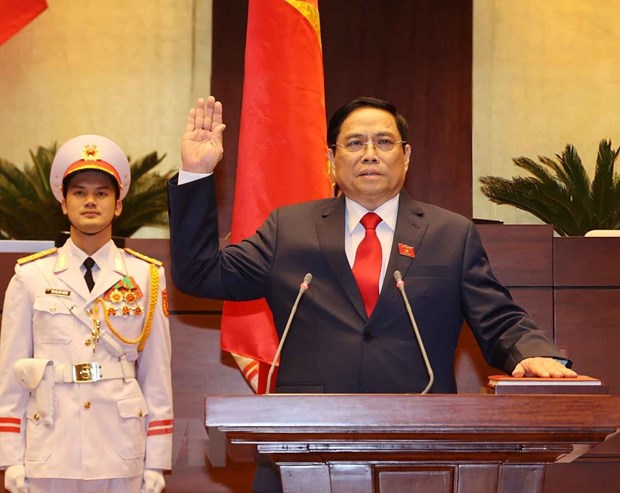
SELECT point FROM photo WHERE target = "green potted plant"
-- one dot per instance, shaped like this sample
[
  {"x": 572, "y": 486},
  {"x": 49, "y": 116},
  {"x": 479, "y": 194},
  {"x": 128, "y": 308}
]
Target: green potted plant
[
  {"x": 560, "y": 192},
  {"x": 30, "y": 211}
]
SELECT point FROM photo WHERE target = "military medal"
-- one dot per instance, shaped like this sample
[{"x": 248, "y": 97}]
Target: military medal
[
  {"x": 115, "y": 296},
  {"x": 123, "y": 297}
]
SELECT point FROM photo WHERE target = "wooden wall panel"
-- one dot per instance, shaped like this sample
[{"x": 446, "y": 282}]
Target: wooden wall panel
[
  {"x": 394, "y": 480},
  {"x": 520, "y": 255},
  {"x": 583, "y": 477},
  {"x": 7, "y": 268},
  {"x": 587, "y": 322},
  {"x": 587, "y": 319},
  {"x": 581, "y": 261},
  {"x": 200, "y": 368}
]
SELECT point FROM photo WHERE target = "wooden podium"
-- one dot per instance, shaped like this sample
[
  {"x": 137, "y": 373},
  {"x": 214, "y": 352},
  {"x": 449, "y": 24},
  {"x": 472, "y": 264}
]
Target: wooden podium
[{"x": 390, "y": 443}]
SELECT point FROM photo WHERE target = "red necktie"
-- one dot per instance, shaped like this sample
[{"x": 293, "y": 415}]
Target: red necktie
[{"x": 368, "y": 258}]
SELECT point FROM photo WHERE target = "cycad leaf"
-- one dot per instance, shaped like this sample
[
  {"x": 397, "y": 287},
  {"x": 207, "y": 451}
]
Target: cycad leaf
[
  {"x": 605, "y": 181},
  {"x": 564, "y": 198},
  {"x": 534, "y": 168},
  {"x": 578, "y": 183},
  {"x": 547, "y": 201}
]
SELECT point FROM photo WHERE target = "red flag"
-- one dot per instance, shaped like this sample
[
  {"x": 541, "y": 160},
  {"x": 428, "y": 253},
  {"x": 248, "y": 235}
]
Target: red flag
[
  {"x": 282, "y": 151},
  {"x": 15, "y": 14}
]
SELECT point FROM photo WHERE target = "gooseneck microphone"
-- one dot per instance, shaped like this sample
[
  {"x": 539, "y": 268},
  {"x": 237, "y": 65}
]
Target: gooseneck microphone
[
  {"x": 400, "y": 284},
  {"x": 303, "y": 287}
]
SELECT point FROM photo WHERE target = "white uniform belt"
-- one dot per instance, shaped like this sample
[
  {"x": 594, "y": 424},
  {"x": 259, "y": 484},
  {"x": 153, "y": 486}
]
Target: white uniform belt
[{"x": 93, "y": 372}]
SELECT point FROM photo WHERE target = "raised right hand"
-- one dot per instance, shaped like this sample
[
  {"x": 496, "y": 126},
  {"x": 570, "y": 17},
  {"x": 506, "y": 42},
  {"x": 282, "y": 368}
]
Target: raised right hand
[{"x": 201, "y": 145}]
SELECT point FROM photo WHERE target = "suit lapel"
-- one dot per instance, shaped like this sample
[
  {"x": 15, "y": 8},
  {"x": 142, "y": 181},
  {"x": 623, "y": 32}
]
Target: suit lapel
[
  {"x": 331, "y": 231},
  {"x": 410, "y": 229}
]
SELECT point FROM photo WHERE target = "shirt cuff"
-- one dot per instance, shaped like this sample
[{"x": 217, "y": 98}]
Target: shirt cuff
[{"x": 188, "y": 176}]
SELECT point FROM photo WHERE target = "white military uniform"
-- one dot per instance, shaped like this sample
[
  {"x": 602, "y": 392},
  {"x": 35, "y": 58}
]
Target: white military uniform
[{"x": 72, "y": 424}]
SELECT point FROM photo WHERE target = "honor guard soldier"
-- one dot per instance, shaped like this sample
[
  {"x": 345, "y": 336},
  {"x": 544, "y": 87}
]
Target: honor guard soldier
[{"x": 85, "y": 383}]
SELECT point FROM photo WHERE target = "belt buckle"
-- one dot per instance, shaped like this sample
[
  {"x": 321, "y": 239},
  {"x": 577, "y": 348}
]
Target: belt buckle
[{"x": 85, "y": 372}]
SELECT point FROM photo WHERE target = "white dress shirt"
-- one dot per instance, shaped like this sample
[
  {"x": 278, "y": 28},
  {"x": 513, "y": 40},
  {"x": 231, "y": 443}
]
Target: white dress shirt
[{"x": 354, "y": 232}]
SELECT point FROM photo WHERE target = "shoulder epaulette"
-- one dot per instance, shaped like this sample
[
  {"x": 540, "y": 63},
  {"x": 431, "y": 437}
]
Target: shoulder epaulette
[
  {"x": 145, "y": 258},
  {"x": 36, "y": 256}
]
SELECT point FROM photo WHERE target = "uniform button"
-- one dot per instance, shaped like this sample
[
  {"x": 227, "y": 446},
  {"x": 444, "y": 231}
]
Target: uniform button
[
  {"x": 140, "y": 413},
  {"x": 87, "y": 405},
  {"x": 36, "y": 416},
  {"x": 87, "y": 342},
  {"x": 368, "y": 336},
  {"x": 53, "y": 308}
]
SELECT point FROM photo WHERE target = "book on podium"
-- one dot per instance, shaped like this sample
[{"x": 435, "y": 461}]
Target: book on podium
[{"x": 581, "y": 384}]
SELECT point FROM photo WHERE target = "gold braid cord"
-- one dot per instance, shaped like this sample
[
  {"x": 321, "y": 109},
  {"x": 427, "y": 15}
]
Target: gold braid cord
[{"x": 152, "y": 302}]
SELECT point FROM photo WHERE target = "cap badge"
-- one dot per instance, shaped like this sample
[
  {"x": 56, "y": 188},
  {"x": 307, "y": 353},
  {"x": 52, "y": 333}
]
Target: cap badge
[{"x": 90, "y": 153}]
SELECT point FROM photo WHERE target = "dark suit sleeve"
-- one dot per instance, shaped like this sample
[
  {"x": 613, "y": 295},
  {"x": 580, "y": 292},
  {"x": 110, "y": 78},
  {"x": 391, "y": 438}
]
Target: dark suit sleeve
[
  {"x": 504, "y": 331},
  {"x": 199, "y": 268}
]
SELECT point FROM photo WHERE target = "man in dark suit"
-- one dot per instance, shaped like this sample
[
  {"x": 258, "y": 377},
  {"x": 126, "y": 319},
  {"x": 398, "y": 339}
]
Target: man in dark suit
[{"x": 352, "y": 332}]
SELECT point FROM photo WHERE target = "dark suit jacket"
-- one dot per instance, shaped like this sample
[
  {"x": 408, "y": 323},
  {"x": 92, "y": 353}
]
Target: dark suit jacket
[{"x": 333, "y": 346}]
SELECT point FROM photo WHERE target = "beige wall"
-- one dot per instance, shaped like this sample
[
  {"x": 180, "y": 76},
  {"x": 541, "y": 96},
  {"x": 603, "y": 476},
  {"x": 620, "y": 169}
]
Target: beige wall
[
  {"x": 546, "y": 73},
  {"x": 127, "y": 69}
]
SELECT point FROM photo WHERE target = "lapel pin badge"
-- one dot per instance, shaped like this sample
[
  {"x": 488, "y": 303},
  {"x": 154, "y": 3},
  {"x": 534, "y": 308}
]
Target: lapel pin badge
[{"x": 406, "y": 250}]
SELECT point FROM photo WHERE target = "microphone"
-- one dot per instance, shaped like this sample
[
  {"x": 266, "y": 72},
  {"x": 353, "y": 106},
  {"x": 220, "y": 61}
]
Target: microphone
[
  {"x": 400, "y": 284},
  {"x": 304, "y": 286}
]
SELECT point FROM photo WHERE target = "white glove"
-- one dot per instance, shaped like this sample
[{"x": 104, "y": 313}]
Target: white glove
[
  {"x": 15, "y": 479},
  {"x": 153, "y": 481}
]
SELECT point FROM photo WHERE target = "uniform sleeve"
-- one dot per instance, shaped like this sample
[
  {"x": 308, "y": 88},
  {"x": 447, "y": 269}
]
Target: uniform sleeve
[
  {"x": 16, "y": 341},
  {"x": 154, "y": 377}
]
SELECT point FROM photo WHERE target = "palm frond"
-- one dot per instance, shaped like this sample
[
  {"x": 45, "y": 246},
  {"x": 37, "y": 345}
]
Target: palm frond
[
  {"x": 578, "y": 184},
  {"x": 523, "y": 193},
  {"x": 560, "y": 192},
  {"x": 42, "y": 163},
  {"x": 554, "y": 191},
  {"x": 605, "y": 186},
  {"x": 534, "y": 168}
]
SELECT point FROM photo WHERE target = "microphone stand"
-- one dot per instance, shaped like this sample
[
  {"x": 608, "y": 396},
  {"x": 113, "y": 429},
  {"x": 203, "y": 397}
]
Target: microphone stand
[
  {"x": 400, "y": 284},
  {"x": 303, "y": 287}
]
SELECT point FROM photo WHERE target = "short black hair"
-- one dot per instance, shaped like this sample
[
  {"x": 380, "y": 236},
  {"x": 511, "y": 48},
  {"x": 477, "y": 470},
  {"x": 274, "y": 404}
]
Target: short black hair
[
  {"x": 333, "y": 130},
  {"x": 68, "y": 178}
]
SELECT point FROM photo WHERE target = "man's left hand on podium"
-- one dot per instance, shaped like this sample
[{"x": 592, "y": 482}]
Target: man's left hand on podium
[{"x": 542, "y": 367}]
